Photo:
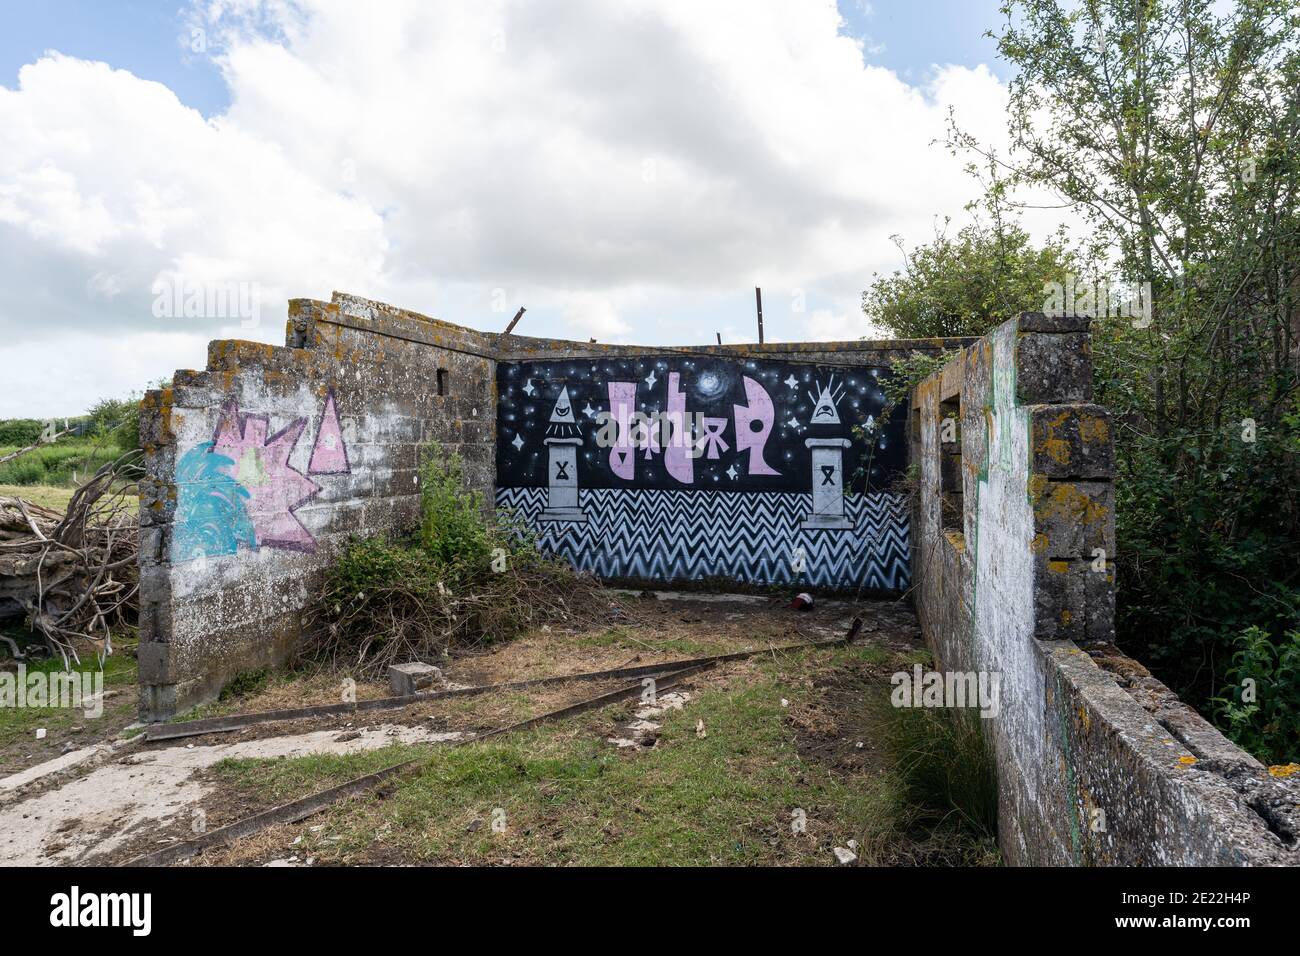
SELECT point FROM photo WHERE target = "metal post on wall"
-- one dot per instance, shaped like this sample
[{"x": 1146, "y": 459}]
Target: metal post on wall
[
  {"x": 758, "y": 301},
  {"x": 515, "y": 321}
]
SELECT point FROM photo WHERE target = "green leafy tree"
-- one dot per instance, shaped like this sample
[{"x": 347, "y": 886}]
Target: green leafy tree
[
  {"x": 1172, "y": 126},
  {"x": 965, "y": 284}
]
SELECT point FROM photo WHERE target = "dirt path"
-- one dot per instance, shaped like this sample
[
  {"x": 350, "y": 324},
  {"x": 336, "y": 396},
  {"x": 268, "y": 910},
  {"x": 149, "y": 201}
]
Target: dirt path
[{"x": 123, "y": 800}]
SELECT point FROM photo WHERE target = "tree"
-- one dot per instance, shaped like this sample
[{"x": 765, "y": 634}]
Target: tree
[
  {"x": 965, "y": 284},
  {"x": 1171, "y": 126}
]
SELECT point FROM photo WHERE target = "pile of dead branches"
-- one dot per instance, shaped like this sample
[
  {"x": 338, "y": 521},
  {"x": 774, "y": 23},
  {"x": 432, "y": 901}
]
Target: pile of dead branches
[
  {"x": 73, "y": 576},
  {"x": 392, "y": 604}
]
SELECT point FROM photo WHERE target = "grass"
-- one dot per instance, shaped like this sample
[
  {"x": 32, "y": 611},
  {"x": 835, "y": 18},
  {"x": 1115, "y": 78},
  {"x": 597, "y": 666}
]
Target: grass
[
  {"x": 625, "y": 637},
  {"x": 945, "y": 766},
  {"x": 63, "y": 463},
  {"x": 47, "y": 496},
  {"x": 568, "y": 797},
  {"x": 18, "y": 723}
]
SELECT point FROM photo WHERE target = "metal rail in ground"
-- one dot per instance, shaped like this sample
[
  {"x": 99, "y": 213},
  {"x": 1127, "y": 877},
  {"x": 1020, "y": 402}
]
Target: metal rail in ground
[
  {"x": 307, "y": 806},
  {"x": 221, "y": 725}
]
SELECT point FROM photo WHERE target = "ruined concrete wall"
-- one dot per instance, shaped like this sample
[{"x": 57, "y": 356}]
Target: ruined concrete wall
[
  {"x": 261, "y": 466},
  {"x": 1013, "y": 545}
]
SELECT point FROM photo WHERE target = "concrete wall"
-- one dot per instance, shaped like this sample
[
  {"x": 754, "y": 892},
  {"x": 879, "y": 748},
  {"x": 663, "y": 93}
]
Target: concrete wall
[
  {"x": 1013, "y": 544},
  {"x": 261, "y": 465}
]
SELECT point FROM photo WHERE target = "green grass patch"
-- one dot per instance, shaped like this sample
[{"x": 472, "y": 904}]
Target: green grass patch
[
  {"x": 47, "y": 496},
  {"x": 571, "y": 798},
  {"x": 120, "y": 671}
]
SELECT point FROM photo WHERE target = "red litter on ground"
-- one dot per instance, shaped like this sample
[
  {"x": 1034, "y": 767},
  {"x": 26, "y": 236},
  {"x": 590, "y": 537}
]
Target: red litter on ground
[{"x": 802, "y": 601}]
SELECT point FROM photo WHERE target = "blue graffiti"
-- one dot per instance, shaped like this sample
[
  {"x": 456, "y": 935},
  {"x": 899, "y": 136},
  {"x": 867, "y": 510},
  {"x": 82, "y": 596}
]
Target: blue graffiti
[{"x": 211, "y": 517}]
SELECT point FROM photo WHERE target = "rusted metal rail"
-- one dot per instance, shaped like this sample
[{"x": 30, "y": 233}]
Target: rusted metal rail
[{"x": 219, "y": 725}]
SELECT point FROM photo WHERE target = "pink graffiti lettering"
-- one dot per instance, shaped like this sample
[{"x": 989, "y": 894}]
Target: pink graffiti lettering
[
  {"x": 262, "y": 466},
  {"x": 676, "y": 458},
  {"x": 329, "y": 456},
  {"x": 754, "y": 425},
  {"x": 712, "y": 440},
  {"x": 622, "y": 400}
]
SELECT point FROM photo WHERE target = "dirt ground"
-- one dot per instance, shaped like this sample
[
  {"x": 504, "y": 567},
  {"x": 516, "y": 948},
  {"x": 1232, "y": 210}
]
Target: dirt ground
[{"x": 127, "y": 797}]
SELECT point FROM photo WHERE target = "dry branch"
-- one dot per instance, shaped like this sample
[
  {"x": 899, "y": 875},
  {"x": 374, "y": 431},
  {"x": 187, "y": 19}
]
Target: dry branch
[{"x": 73, "y": 575}]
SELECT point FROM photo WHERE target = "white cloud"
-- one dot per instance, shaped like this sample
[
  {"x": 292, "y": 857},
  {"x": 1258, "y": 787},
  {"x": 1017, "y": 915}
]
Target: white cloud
[{"x": 602, "y": 163}]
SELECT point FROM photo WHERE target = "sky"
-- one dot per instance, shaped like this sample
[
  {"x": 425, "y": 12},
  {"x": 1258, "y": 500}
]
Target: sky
[{"x": 173, "y": 172}]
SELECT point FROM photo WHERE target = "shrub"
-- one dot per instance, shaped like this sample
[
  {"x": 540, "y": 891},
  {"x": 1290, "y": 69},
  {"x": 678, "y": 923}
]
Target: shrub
[
  {"x": 19, "y": 432},
  {"x": 1263, "y": 712},
  {"x": 452, "y": 529},
  {"x": 459, "y": 580}
]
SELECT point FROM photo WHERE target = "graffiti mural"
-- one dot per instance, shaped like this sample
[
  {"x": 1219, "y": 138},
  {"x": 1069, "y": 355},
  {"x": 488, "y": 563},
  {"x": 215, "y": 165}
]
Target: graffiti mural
[
  {"x": 667, "y": 467},
  {"x": 240, "y": 490}
]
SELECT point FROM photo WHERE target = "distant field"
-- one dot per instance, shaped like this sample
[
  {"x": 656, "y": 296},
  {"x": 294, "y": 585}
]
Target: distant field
[
  {"x": 66, "y": 462},
  {"x": 44, "y": 495}
]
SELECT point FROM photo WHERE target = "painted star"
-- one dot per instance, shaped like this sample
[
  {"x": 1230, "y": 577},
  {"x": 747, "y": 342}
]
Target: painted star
[
  {"x": 650, "y": 379},
  {"x": 732, "y": 473},
  {"x": 793, "y": 422},
  {"x": 518, "y": 442},
  {"x": 528, "y": 389},
  {"x": 792, "y": 381},
  {"x": 589, "y": 411}
]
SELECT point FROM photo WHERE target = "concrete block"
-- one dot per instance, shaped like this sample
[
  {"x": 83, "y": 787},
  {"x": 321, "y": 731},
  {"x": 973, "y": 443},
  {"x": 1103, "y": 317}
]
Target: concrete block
[
  {"x": 406, "y": 679},
  {"x": 1041, "y": 322},
  {"x": 1053, "y": 368},
  {"x": 1071, "y": 441},
  {"x": 1073, "y": 518}
]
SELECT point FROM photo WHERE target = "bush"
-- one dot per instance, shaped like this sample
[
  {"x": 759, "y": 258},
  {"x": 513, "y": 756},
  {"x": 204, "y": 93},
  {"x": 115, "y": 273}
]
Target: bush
[
  {"x": 459, "y": 580},
  {"x": 452, "y": 530},
  {"x": 56, "y": 464},
  {"x": 1263, "y": 713},
  {"x": 19, "y": 432}
]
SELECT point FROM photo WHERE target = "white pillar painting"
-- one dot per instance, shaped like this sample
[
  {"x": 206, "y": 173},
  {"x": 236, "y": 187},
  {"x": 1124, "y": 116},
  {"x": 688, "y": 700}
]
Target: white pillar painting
[
  {"x": 827, "y": 464},
  {"x": 562, "y": 442},
  {"x": 827, "y": 484}
]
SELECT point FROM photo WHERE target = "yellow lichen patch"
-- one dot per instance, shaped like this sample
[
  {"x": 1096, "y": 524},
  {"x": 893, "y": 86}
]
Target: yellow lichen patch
[
  {"x": 1059, "y": 567},
  {"x": 1057, "y": 449},
  {"x": 1085, "y": 718},
  {"x": 1066, "y": 501},
  {"x": 1187, "y": 760},
  {"x": 1094, "y": 430},
  {"x": 1066, "y": 617},
  {"x": 1284, "y": 770},
  {"x": 1039, "y": 544},
  {"x": 1037, "y": 485}
]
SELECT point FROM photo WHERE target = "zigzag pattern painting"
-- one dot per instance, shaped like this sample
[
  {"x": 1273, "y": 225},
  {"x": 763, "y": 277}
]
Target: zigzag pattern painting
[{"x": 659, "y": 535}]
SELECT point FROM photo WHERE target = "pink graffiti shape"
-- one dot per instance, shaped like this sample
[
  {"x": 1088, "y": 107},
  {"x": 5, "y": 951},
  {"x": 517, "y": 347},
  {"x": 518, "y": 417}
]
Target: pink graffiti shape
[
  {"x": 261, "y": 465},
  {"x": 712, "y": 438},
  {"x": 760, "y": 413},
  {"x": 329, "y": 456},
  {"x": 676, "y": 457},
  {"x": 622, "y": 400}
]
